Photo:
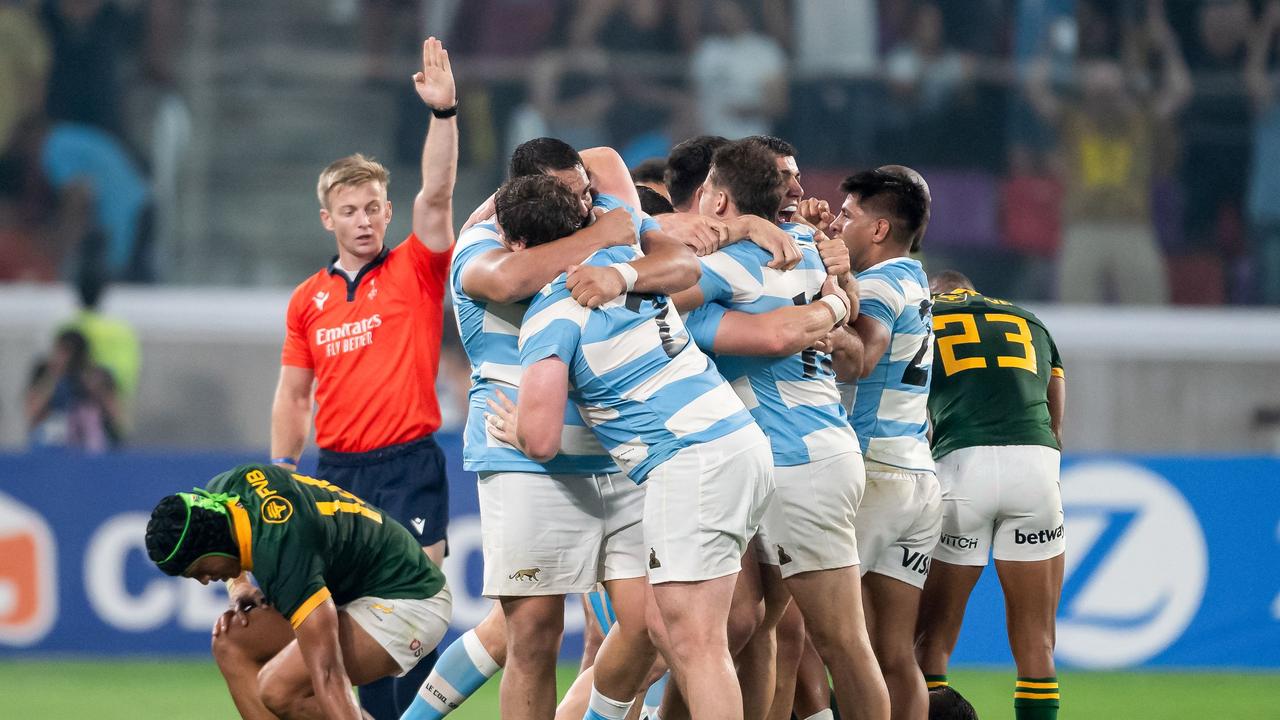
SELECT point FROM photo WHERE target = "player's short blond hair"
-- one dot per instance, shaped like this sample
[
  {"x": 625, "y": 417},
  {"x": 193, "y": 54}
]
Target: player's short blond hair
[{"x": 350, "y": 170}]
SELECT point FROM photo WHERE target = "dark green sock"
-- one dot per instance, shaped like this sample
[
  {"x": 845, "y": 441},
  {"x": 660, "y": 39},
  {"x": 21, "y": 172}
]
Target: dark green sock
[
  {"x": 1036, "y": 699},
  {"x": 934, "y": 681}
]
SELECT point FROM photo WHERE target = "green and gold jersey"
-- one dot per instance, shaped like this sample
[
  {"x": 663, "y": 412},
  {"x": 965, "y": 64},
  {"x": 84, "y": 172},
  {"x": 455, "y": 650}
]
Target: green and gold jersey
[
  {"x": 991, "y": 367},
  {"x": 306, "y": 540}
]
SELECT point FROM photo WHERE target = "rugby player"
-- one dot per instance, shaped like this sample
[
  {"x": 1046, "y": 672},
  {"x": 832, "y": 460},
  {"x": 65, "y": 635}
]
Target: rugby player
[
  {"x": 344, "y": 596},
  {"x": 586, "y": 528},
  {"x": 807, "y": 537},
  {"x": 996, "y": 403},
  {"x": 671, "y": 422},
  {"x": 889, "y": 356}
]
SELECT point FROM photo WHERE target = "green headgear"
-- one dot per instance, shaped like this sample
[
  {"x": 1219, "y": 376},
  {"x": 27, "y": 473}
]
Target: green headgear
[{"x": 187, "y": 526}]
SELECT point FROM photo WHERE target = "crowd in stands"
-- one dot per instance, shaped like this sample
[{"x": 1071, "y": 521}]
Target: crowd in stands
[{"x": 1120, "y": 151}]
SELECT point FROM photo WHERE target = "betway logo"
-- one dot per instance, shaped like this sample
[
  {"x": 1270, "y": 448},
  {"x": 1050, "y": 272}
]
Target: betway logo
[
  {"x": 346, "y": 330},
  {"x": 1037, "y": 538},
  {"x": 28, "y": 575}
]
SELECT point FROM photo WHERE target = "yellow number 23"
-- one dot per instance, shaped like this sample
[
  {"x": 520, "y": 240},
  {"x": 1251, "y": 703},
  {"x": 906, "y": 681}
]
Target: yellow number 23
[{"x": 969, "y": 334}]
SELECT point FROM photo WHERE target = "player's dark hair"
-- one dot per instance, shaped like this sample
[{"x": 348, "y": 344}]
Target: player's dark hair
[
  {"x": 889, "y": 194},
  {"x": 185, "y": 527},
  {"x": 948, "y": 280},
  {"x": 749, "y": 174},
  {"x": 947, "y": 704},
  {"x": 542, "y": 155},
  {"x": 652, "y": 170},
  {"x": 775, "y": 145},
  {"x": 687, "y": 166},
  {"x": 536, "y": 209},
  {"x": 652, "y": 202}
]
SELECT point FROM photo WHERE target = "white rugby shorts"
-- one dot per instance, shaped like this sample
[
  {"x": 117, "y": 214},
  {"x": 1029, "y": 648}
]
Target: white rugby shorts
[
  {"x": 558, "y": 534},
  {"x": 703, "y": 505},
  {"x": 1001, "y": 499},
  {"x": 899, "y": 522},
  {"x": 407, "y": 629},
  {"x": 809, "y": 524}
]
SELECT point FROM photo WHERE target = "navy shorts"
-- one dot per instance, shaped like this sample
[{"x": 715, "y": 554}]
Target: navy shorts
[{"x": 406, "y": 481}]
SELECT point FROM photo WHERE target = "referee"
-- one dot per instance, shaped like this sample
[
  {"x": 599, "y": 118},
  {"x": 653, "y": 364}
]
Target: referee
[{"x": 365, "y": 331}]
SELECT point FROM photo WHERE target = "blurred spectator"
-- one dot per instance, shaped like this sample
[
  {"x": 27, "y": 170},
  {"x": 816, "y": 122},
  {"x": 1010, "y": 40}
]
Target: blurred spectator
[
  {"x": 836, "y": 56},
  {"x": 82, "y": 160},
  {"x": 89, "y": 38},
  {"x": 739, "y": 75},
  {"x": 24, "y": 64},
  {"x": 1107, "y": 138},
  {"x": 72, "y": 403},
  {"x": 113, "y": 345},
  {"x": 24, "y": 256},
  {"x": 572, "y": 94},
  {"x": 650, "y": 174},
  {"x": 1216, "y": 126},
  {"x": 1264, "y": 180}
]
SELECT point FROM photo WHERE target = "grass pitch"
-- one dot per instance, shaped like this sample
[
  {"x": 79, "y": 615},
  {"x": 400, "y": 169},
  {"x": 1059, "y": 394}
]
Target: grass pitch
[{"x": 192, "y": 689}]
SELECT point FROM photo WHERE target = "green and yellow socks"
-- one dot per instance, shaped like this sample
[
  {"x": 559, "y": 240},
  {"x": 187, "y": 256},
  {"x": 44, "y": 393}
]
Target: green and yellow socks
[
  {"x": 935, "y": 681},
  {"x": 1036, "y": 698}
]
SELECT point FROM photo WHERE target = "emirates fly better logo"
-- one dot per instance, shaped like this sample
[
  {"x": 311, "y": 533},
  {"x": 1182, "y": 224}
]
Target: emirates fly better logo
[
  {"x": 28, "y": 575},
  {"x": 1136, "y": 565}
]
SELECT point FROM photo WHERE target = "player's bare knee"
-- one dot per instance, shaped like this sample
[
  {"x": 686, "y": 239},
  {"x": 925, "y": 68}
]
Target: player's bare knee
[
  {"x": 280, "y": 698},
  {"x": 744, "y": 619}
]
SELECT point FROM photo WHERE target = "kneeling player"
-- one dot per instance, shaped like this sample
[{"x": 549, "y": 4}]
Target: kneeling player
[
  {"x": 345, "y": 595},
  {"x": 997, "y": 413}
]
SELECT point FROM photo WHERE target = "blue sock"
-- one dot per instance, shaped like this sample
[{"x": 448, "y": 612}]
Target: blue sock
[
  {"x": 462, "y": 668},
  {"x": 653, "y": 698}
]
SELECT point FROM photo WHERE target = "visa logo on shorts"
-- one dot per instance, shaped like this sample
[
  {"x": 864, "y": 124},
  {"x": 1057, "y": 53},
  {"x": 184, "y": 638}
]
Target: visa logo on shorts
[
  {"x": 1037, "y": 538},
  {"x": 28, "y": 575},
  {"x": 915, "y": 561}
]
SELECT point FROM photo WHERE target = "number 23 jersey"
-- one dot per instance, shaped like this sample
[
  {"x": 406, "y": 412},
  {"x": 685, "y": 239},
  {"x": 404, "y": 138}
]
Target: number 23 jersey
[
  {"x": 991, "y": 383},
  {"x": 890, "y": 410}
]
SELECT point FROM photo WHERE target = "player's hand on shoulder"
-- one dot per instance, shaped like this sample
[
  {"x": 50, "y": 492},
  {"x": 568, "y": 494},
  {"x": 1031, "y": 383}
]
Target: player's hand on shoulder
[
  {"x": 592, "y": 286},
  {"x": 434, "y": 82},
  {"x": 777, "y": 242},
  {"x": 616, "y": 225},
  {"x": 704, "y": 235}
]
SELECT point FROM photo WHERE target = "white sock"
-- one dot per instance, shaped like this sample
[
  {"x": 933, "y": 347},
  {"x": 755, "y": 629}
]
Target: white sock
[
  {"x": 822, "y": 715},
  {"x": 600, "y": 707}
]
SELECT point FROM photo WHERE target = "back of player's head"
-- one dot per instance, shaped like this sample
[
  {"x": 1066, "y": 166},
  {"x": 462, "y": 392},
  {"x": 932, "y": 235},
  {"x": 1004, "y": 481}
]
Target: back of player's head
[
  {"x": 947, "y": 704},
  {"x": 748, "y": 173},
  {"x": 775, "y": 145},
  {"x": 948, "y": 280},
  {"x": 895, "y": 196},
  {"x": 652, "y": 170},
  {"x": 350, "y": 171},
  {"x": 916, "y": 178},
  {"x": 542, "y": 155},
  {"x": 687, "y": 167},
  {"x": 652, "y": 202},
  {"x": 185, "y": 527},
  {"x": 536, "y": 209}
]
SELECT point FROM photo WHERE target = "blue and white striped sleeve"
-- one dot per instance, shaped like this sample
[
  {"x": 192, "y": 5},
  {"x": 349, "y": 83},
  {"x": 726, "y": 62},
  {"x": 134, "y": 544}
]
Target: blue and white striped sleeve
[
  {"x": 703, "y": 323},
  {"x": 880, "y": 297},
  {"x": 731, "y": 275},
  {"x": 552, "y": 325},
  {"x": 474, "y": 242}
]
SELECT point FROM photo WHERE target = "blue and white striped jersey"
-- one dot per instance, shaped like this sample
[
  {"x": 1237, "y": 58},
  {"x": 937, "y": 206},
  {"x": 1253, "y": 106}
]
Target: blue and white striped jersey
[
  {"x": 646, "y": 391},
  {"x": 794, "y": 399},
  {"x": 489, "y": 333},
  {"x": 890, "y": 412}
]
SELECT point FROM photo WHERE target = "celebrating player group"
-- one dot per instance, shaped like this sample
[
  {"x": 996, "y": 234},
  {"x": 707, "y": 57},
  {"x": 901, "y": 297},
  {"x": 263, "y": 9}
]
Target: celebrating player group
[{"x": 716, "y": 416}]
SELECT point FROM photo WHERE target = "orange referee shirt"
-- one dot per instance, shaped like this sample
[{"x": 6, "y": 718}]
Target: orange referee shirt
[{"x": 374, "y": 345}]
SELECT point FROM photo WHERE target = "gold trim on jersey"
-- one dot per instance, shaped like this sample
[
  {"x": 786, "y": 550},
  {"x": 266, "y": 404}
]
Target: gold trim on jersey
[
  {"x": 244, "y": 534},
  {"x": 308, "y": 605}
]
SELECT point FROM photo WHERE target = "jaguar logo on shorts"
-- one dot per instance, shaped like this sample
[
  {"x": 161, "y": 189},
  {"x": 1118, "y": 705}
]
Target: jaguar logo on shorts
[
  {"x": 783, "y": 557},
  {"x": 653, "y": 559},
  {"x": 415, "y": 647},
  {"x": 276, "y": 510},
  {"x": 530, "y": 574}
]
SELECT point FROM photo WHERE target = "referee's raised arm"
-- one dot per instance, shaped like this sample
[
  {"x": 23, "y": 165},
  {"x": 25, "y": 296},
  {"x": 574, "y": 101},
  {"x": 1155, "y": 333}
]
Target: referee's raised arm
[{"x": 433, "y": 207}]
